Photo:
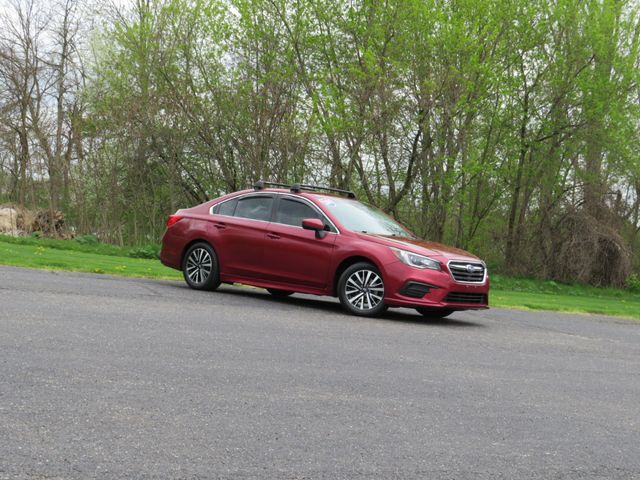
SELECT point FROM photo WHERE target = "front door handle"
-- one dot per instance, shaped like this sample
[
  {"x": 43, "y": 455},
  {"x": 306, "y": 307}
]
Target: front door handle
[{"x": 273, "y": 236}]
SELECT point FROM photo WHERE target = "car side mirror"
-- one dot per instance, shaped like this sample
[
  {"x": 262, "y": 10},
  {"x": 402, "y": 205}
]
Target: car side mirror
[{"x": 314, "y": 224}]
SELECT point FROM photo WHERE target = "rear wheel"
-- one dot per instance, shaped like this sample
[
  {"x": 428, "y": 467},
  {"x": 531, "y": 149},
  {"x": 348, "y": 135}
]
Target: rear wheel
[
  {"x": 361, "y": 290},
  {"x": 200, "y": 267},
  {"x": 435, "y": 314},
  {"x": 279, "y": 293}
]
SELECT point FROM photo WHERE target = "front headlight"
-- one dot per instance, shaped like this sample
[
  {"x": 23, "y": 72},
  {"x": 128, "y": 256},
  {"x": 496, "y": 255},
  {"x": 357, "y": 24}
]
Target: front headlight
[{"x": 415, "y": 260}]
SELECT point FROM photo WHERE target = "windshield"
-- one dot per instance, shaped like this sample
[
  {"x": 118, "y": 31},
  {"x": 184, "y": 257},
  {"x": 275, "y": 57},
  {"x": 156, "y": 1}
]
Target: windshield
[{"x": 359, "y": 217}]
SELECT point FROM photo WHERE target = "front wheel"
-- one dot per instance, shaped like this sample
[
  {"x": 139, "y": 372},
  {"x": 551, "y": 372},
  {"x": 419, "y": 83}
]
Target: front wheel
[
  {"x": 200, "y": 267},
  {"x": 435, "y": 314},
  {"x": 361, "y": 290}
]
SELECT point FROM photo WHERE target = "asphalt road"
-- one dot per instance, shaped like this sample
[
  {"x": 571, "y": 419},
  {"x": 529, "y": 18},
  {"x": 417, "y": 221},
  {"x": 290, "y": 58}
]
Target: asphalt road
[{"x": 104, "y": 377}]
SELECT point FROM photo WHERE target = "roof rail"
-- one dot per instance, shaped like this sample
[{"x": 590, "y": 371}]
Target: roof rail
[
  {"x": 298, "y": 187},
  {"x": 261, "y": 184}
]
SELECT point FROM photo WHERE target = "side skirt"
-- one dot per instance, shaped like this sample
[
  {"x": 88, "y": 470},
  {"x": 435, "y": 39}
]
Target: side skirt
[{"x": 255, "y": 282}]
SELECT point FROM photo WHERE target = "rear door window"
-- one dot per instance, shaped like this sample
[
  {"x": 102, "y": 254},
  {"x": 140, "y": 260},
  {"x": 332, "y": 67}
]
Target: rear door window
[{"x": 256, "y": 208}]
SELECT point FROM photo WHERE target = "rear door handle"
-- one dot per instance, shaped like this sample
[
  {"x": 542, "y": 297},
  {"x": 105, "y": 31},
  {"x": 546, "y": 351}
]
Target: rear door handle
[
  {"x": 220, "y": 225},
  {"x": 273, "y": 236}
]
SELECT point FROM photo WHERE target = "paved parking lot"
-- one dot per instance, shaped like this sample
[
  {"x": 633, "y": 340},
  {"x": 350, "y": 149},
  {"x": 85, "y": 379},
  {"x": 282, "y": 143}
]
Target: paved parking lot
[{"x": 104, "y": 377}]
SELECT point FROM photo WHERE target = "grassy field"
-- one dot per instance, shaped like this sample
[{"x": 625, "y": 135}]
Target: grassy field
[
  {"x": 108, "y": 259},
  {"x": 71, "y": 255},
  {"x": 547, "y": 295}
]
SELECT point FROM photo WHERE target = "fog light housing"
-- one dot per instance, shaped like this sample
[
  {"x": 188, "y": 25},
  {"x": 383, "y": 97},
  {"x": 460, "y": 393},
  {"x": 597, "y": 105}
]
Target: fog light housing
[{"x": 415, "y": 289}]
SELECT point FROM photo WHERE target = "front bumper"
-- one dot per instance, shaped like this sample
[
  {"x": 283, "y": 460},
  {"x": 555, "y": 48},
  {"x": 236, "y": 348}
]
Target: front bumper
[{"x": 404, "y": 284}]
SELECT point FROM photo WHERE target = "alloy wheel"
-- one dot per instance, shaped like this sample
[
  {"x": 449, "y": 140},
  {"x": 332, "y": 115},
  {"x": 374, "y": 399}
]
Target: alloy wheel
[
  {"x": 364, "y": 290},
  {"x": 199, "y": 265}
]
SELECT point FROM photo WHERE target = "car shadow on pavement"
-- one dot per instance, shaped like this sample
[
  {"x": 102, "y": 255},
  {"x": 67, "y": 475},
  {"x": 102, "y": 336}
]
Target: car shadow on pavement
[
  {"x": 453, "y": 322},
  {"x": 328, "y": 304}
]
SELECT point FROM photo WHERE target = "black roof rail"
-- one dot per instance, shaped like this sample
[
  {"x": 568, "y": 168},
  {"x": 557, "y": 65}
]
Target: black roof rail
[
  {"x": 298, "y": 187},
  {"x": 348, "y": 193},
  {"x": 261, "y": 184}
]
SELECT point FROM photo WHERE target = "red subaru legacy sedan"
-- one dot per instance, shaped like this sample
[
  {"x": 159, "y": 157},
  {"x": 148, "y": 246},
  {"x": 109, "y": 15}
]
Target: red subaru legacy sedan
[{"x": 321, "y": 241}]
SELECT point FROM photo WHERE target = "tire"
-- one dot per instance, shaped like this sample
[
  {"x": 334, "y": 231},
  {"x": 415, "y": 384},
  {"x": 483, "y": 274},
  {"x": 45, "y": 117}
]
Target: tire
[
  {"x": 200, "y": 267},
  {"x": 361, "y": 290},
  {"x": 279, "y": 293},
  {"x": 435, "y": 314}
]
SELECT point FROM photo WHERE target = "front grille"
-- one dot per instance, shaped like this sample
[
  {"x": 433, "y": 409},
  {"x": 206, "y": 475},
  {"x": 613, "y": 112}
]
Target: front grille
[
  {"x": 457, "y": 297},
  {"x": 467, "y": 272}
]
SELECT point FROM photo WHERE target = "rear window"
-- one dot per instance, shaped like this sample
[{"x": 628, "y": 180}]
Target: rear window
[{"x": 256, "y": 208}]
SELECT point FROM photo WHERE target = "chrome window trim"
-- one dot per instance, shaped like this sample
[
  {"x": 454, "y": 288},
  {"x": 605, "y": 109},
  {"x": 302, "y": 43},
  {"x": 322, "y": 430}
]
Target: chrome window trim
[
  {"x": 274, "y": 194},
  {"x": 476, "y": 262}
]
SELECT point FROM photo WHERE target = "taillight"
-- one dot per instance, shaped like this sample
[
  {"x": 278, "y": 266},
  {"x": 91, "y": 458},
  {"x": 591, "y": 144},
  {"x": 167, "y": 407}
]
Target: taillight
[{"x": 173, "y": 219}]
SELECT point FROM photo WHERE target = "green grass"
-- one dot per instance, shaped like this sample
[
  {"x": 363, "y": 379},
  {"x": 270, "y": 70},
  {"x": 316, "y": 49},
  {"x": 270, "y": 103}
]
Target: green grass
[
  {"x": 576, "y": 298},
  {"x": 70, "y": 255},
  {"x": 69, "y": 245},
  {"x": 505, "y": 292},
  {"x": 627, "y": 307}
]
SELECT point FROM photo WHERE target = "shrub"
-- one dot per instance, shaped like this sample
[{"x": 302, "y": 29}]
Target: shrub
[
  {"x": 633, "y": 283},
  {"x": 87, "y": 240},
  {"x": 146, "y": 251},
  {"x": 587, "y": 250}
]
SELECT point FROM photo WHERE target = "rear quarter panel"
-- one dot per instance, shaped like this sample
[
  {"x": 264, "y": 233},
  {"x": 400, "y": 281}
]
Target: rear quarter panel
[{"x": 192, "y": 227}]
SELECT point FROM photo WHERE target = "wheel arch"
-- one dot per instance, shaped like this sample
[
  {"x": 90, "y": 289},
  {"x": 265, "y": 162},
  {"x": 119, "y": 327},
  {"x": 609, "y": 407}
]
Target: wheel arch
[
  {"x": 346, "y": 263},
  {"x": 190, "y": 244}
]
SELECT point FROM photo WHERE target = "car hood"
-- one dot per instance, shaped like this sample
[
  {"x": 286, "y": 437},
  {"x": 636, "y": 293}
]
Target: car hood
[{"x": 424, "y": 247}]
